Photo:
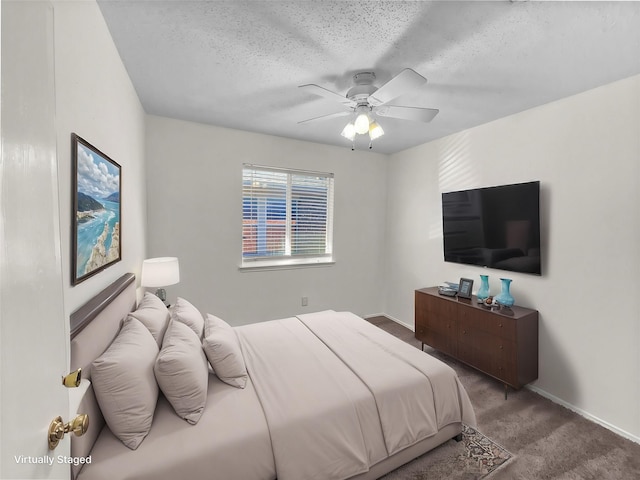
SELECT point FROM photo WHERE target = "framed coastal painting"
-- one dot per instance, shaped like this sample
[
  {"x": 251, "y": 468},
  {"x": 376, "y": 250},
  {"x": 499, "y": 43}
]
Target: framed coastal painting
[{"x": 97, "y": 188}]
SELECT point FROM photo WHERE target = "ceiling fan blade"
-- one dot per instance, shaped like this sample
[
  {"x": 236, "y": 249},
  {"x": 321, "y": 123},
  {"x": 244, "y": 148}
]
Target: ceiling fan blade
[
  {"x": 406, "y": 80},
  {"x": 324, "y": 117},
  {"x": 415, "y": 114},
  {"x": 323, "y": 92}
]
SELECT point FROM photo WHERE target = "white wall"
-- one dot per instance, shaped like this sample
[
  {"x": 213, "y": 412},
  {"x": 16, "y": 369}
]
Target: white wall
[
  {"x": 96, "y": 100},
  {"x": 585, "y": 150},
  {"x": 195, "y": 213}
]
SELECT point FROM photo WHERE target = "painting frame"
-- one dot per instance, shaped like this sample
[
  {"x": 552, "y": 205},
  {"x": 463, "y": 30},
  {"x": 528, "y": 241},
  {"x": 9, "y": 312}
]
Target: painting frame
[{"x": 96, "y": 224}]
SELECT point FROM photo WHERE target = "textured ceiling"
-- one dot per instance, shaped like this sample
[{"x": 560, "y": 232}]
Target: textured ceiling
[{"x": 238, "y": 63}]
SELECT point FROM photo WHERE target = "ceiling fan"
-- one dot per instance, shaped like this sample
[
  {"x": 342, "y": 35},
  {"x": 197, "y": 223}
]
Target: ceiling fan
[{"x": 365, "y": 99}]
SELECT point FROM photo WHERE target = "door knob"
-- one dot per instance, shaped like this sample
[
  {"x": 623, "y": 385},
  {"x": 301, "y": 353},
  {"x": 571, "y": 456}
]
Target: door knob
[{"x": 57, "y": 428}]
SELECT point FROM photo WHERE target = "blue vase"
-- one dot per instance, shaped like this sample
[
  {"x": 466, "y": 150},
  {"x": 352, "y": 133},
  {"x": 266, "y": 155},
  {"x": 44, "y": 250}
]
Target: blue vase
[
  {"x": 504, "y": 298},
  {"x": 483, "y": 292}
]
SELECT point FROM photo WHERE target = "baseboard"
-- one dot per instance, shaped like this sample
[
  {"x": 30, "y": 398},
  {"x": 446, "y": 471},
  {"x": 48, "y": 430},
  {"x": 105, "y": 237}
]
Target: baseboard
[
  {"x": 410, "y": 327},
  {"x": 585, "y": 414}
]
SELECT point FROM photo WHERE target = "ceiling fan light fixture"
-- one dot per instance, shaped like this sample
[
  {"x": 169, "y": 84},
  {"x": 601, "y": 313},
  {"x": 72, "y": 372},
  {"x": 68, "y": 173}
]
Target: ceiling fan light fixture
[
  {"x": 375, "y": 130},
  {"x": 367, "y": 102},
  {"x": 362, "y": 123},
  {"x": 349, "y": 131}
]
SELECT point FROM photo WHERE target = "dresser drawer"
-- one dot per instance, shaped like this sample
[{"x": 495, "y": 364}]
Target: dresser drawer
[
  {"x": 497, "y": 325},
  {"x": 491, "y": 354},
  {"x": 442, "y": 341},
  {"x": 434, "y": 314}
]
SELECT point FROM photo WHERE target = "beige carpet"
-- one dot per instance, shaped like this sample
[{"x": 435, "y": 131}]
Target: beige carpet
[{"x": 547, "y": 440}]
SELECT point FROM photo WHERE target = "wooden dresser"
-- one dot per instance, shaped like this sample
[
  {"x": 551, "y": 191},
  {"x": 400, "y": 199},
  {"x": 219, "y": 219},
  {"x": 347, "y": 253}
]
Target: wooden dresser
[{"x": 501, "y": 342}]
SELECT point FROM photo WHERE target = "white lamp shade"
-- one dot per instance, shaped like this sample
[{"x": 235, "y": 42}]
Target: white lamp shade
[
  {"x": 375, "y": 131},
  {"x": 349, "y": 131},
  {"x": 362, "y": 124},
  {"x": 160, "y": 272}
]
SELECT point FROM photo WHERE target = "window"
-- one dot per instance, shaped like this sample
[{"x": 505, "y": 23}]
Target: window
[{"x": 287, "y": 216}]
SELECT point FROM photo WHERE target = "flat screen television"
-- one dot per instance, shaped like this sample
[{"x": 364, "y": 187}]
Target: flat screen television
[{"x": 495, "y": 227}]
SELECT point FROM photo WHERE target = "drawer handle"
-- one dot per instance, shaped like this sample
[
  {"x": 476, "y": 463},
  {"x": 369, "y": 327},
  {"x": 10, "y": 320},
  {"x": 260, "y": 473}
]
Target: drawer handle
[
  {"x": 500, "y": 325},
  {"x": 500, "y": 347},
  {"x": 464, "y": 332}
]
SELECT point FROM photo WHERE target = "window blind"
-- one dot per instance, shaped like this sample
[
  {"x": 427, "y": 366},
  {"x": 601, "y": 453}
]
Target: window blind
[{"x": 286, "y": 213}]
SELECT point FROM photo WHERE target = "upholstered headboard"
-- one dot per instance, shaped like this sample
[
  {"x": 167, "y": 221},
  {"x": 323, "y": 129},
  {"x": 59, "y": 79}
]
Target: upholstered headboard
[{"x": 93, "y": 328}]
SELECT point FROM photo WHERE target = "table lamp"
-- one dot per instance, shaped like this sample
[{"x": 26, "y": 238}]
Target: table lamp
[{"x": 160, "y": 272}]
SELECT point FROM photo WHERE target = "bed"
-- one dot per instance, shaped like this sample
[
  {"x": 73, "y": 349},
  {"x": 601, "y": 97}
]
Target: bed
[{"x": 327, "y": 396}]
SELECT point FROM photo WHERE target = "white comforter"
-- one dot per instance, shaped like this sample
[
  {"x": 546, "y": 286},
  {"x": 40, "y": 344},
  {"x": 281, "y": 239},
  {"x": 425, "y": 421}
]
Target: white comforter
[{"x": 371, "y": 395}]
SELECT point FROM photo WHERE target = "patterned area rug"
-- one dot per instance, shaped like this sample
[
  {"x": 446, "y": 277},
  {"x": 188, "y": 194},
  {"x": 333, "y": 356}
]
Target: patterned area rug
[{"x": 475, "y": 457}]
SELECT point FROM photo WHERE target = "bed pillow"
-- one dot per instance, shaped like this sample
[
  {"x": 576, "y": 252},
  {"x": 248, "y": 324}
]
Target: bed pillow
[
  {"x": 222, "y": 348},
  {"x": 125, "y": 385},
  {"x": 154, "y": 315},
  {"x": 186, "y": 313},
  {"x": 182, "y": 372}
]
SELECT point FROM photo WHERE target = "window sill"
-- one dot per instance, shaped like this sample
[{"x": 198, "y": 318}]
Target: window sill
[{"x": 288, "y": 264}]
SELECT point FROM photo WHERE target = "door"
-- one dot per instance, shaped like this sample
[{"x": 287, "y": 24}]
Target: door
[{"x": 33, "y": 339}]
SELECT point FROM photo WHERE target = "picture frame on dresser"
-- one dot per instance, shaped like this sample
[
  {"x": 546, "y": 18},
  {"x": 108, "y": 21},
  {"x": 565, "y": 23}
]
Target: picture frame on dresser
[
  {"x": 96, "y": 210},
  {"x": 465, "y": 288}
]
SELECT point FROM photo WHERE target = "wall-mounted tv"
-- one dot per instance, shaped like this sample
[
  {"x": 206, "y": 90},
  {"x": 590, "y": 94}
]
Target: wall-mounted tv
[{"x": 495, "y": 227}]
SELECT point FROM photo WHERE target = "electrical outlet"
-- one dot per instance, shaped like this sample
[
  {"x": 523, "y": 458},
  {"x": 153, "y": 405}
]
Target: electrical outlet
[{"x": 305, "y": 301}]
